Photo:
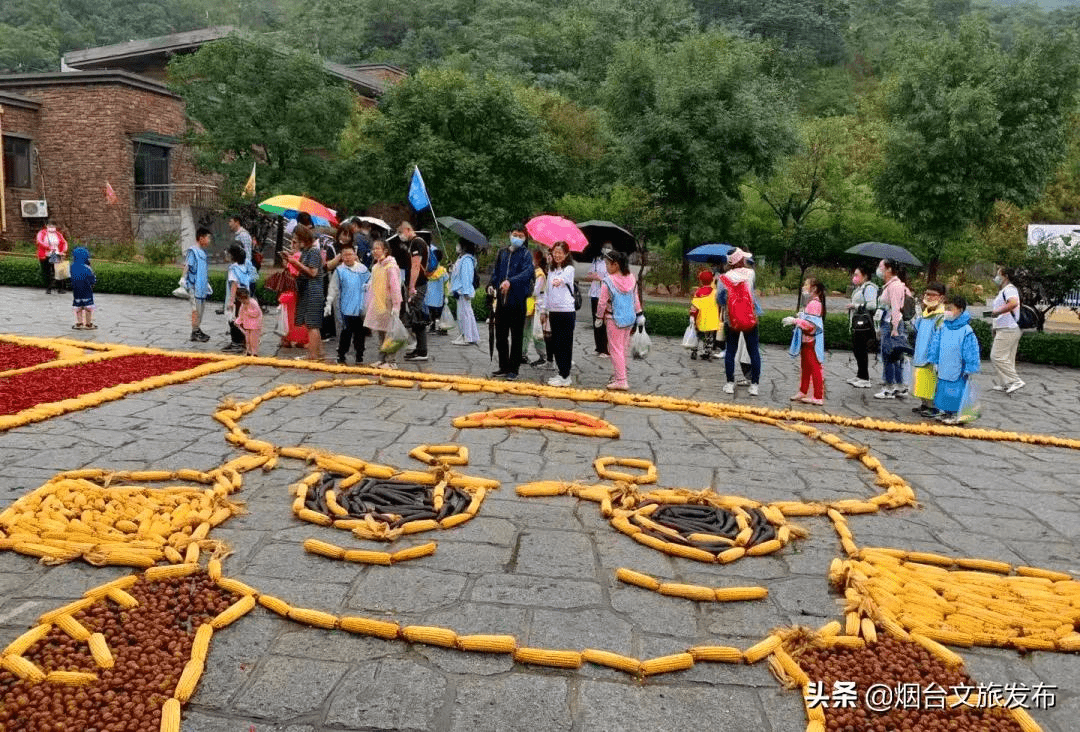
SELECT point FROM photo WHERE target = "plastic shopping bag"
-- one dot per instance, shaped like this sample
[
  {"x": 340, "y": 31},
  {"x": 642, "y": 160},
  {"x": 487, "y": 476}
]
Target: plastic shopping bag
[
  {"x": 689, "y": 338},
  {"x": 970, "y": 403},
  {"x": 446, "y": 320},
  {"x": 281, "y": 322},
  {"x": 396, "y": 337},
  {"x": 640, "y": 343}
]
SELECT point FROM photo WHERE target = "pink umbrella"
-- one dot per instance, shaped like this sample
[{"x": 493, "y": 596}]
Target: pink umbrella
[{"x": 549, "y": 229}]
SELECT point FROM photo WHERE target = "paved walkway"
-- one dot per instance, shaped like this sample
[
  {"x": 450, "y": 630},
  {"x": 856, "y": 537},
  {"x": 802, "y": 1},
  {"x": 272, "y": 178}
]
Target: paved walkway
[{"x": 541, "y": 569}]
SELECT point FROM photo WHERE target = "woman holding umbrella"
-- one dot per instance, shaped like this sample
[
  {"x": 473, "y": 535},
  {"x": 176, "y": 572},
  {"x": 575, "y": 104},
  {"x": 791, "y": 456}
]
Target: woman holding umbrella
[
  {"x": 462, "y": 289},
  {"x": 893, "y": 329},
  {"x": 559, "y": 313}
]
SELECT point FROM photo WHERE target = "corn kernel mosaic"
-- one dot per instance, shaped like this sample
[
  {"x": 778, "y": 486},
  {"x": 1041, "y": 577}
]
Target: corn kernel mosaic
[{"x": 910, "y": 609}]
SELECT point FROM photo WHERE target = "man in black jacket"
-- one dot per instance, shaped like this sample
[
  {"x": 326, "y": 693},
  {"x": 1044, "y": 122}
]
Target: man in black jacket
[
  {"x": 510, "y": 286},
  {"x": 416, "y": 289}
]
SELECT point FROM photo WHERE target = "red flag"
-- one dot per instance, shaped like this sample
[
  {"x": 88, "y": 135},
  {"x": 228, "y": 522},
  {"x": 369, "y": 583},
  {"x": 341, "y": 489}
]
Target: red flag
[{"x": 110, "y": 195}]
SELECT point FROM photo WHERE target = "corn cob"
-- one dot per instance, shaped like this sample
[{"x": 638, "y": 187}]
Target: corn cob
[
  {"x": 170, "y": 716},
  {"x": 1043, "y": 573},
  {"x": 200, "y": 645},
  {"x": 730, "y": 555},
  {"x": 99, "y": 649},
  {"x": 22, "y": 668},
  {"x": 487, "y": 643},
  {"x": 191, "y": 555},
  {"x": 456, "y": 520},
  {"x": 174, "y": 556},
  {"x": 1024, "y": 720},
  {"x": 236, "y": 586},
  {"x": 844, "y": 641},
  {"x": 71, "y": 678},
  {"x": 667, "y": 664},
  {"x": 70, "y": 609},
  {"x": 72, "y": 627},
  {"x": 758, "y": 651},
  {"x": 716, "y": 654},
  {"x": 938, "y": 651},
  {"x": 189, "y": 677},
  {"x": 363, "y": 556},
  {"x": 542, "y": 488},
  {"x": 274, "y": 604},
  {"x": 631, "y": 577},
  {"x": 544, "y": 657},
  {"x": 317, "y": 618},
  {"x": 690, "y": 592},
  {"x": 689, "y": 552},
  {"x": 414, "y": 552},
  {"x": 233, "y": 612},
  {"x": 790, "y": 666},
  {"x": 869, "y": 631},
  {"x": 21, "y": 644},
  {"x": 765, "y": 547},
  {"x": 367, "y": 626},
  {"x": 322, "y": 548},
  {"x": 985, "y": 565},
  {"x": 625, "y": 664},
  {"x": 314, "y": 517},
  {"x": 851, "y": 622},
  {"x": 170, "y": 571},
  {"x": 815, "y": 725},
  {"x": 739, "y": 594},
  {"x": 213, "y": 569},
  {"x": 429, "y": 635},
  {"x": 413, "y": 527},
  {"x": 1032, "y": 643}
]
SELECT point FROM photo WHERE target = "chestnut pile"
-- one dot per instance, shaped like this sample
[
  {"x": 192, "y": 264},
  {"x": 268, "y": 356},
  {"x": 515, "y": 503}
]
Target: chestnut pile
[
  {"x": 892, "y": 662},
  {"x": 151, "y": 643}
]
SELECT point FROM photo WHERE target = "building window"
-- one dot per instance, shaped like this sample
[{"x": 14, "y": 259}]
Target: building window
[
  {"x": 151, "y": 177},
  {"x": 17, "y": 162}
]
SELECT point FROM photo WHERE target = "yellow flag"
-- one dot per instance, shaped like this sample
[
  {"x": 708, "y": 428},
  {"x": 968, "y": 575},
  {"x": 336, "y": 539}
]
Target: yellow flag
[{"x": 249, "y": 187}]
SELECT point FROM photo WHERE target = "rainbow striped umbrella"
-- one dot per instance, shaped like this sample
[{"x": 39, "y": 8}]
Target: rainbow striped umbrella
[{"x": 289, "y": 206}]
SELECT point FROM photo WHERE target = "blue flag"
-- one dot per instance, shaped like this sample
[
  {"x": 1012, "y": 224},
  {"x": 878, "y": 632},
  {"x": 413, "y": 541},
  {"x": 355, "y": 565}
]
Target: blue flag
[{"x": 418, "y": 196}]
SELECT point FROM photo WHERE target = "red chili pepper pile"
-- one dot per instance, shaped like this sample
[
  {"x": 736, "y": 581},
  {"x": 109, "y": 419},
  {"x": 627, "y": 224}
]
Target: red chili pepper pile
[
  {"x": 17, "y": 356},
  {"x": 23, "y": 391}
]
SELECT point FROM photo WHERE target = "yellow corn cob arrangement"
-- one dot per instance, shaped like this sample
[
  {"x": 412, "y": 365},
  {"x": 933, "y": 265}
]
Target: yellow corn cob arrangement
[
  {"x": 99, "y": 650},
  {"x": 667, "y": 664},
  {"x": 317, "y": 618},
  {"x": 367, "y": 626},
  {"x": 487, "y": 643},
  {"x": 760, "y": 650},
  {"x": 24, "y": 669},
  {"x": 234, "y": 612},
  {"x": 71, "y": 678},
  {"x": 717, "y": 654},
  {"x": 626, "y": 664},
  {"x": 189, "y": 677},
  {"x": 429, "y": 635},
  {"x": 545, "y": 657},
  {"x": 22, "y": 644},
  {"x": 170, "y": 716}
]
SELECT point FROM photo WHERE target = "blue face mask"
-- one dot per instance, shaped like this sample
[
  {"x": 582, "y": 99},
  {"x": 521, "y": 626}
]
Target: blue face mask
[{"x": 516, "y": 241}]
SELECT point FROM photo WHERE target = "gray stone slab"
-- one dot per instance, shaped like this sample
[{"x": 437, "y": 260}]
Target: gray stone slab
[
  {"x": 536, "y": 591},
  {"x": 513, "y": 701},
  {"x": 406, "y": 589},
  {"x": 372, "y": 696},
  {"x": 555, "y": 554},
  {"x": 581, "y": 629},
  {"x": 284, "y": 688},
  {"x": 627, "y": 706}
]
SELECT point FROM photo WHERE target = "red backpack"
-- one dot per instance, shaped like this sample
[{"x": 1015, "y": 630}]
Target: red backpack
[{"x": 740, "y": 305}]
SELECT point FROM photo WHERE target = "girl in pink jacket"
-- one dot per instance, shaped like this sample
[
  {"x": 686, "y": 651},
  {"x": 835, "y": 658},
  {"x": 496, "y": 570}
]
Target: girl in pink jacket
[{"x": 619, "y": 309}]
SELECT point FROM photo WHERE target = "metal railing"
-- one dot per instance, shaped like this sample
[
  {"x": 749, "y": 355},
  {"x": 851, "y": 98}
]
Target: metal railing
[{"x": 171, "y": 197}]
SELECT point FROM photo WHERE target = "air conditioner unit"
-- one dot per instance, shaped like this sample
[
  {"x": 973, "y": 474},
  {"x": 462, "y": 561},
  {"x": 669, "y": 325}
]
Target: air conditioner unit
[{"x": 34, "y": 209}]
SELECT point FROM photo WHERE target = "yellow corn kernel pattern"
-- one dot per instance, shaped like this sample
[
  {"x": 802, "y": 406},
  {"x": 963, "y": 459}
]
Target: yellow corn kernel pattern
[{"x": 545, "y": 657}]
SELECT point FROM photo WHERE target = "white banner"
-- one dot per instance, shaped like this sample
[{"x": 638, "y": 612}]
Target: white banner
[{"x": 1055, "y": 233}]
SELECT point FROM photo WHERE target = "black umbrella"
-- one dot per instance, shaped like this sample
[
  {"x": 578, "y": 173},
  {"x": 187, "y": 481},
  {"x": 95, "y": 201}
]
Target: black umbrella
[
  {"x": 880, "y": 250},
  {"x": 492, "y": 305},
  {"x": 603, "y": 232},
  {"x": 464, "y": 229}
]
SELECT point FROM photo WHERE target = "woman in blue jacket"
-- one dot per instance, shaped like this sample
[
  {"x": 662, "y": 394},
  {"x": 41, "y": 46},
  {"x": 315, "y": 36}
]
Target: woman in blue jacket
[{"x": 463, "y": 289}]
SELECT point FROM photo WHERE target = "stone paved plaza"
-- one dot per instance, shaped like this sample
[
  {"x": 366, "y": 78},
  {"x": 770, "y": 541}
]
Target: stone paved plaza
[{"x": 541, "y": 569}]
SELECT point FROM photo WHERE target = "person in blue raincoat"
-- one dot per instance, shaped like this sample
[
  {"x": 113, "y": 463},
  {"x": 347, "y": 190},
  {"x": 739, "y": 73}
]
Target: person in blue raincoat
[
  {"x": 954, "y": 350},
  {"x": 463, "y": 289},
  {"x": 82, "y": 289}
]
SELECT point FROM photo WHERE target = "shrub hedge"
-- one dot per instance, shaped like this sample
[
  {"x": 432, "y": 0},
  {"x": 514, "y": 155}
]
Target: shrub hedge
[{"x": 1060, "y": 349}]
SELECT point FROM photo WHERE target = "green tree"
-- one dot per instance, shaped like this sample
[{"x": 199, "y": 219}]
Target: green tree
[
  {"x": 815, "y": 26},
  {"x": 251, "y": 101},
  {"x": 970, "y": 124},
  {"x": 694, "y": 122},
  {"x": 485, "y": 156}
]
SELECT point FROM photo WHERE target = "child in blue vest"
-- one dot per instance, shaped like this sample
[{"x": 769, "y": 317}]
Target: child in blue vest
[
  {"x": 435, "y": 299},
  {"x": 954, "y": 350},
  {"x": 195, "y": 279},
  {"x": 348, "y": 291},
  {"x": 929, "y": 319}
]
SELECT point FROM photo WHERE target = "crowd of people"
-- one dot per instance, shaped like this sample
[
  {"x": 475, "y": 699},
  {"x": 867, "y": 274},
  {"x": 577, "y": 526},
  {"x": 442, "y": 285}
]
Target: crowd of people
[{"x": 395, "y": 289}]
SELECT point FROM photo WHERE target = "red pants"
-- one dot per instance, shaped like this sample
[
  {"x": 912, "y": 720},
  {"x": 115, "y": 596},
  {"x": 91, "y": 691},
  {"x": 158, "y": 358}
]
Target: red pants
[
  {"x": 811, "y": 371},
  {"x": 618, "y": 342}
]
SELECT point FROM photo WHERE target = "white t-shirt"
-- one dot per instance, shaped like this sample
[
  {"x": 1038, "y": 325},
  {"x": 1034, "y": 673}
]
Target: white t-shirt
[
  {"x": 560, "y": 297},
  {"x": 1006, "y": 320}
]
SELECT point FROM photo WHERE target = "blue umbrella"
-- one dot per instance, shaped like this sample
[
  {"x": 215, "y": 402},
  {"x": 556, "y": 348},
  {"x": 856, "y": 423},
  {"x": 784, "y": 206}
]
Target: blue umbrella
[{"x": 708, "y": 252}]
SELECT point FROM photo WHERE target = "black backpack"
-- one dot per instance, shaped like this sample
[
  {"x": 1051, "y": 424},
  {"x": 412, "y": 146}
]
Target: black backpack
[
  {"x": 907, "y": 310},
  {"x": 862, "y": 321},
  {"x": 1026, "y": 317}
]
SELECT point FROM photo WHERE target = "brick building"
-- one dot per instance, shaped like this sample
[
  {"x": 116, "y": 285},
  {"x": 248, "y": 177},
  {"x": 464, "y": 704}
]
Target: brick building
[{"x": 108, "y": 118}]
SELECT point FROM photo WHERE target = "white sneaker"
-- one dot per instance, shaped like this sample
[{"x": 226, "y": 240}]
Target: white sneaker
[
  {"x": 863, "y": 384},
  {"x": 753, "y": 390},
  {"x": 998, "y": 387},
  {"x": 559, "y": 381},
  {"x": 885, "y": 393},
  {"x": 854, "y": 381},
  {"x": 729, "y": 388},
  {"x": 1014, "y": 386},
  {"x": 900, "y": 392}
]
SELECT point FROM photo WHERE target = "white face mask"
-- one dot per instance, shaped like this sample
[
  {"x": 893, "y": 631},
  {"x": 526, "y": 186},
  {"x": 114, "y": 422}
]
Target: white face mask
[
  {"x": 998, "y": 279},
  {"x": 880, "y": 273},
  {"x": 950, "y": 316}
]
